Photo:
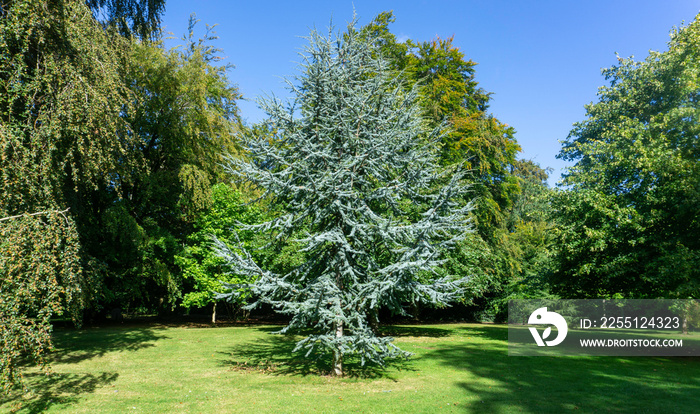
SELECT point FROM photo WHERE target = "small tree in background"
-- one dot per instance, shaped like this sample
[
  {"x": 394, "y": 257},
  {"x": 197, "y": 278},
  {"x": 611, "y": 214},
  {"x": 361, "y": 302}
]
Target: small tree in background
[
  {"x": 200, "y": 265},
  {"x": 203, "y": 270},
  {"x": 357, "y": 173}
]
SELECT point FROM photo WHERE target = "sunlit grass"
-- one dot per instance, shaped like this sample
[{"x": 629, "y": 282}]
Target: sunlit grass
[{"x": 456, "y": 368}]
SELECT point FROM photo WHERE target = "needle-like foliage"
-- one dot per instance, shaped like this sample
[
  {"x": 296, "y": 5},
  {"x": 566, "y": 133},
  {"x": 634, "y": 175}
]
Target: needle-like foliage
[{"x": 356, "y": 174}]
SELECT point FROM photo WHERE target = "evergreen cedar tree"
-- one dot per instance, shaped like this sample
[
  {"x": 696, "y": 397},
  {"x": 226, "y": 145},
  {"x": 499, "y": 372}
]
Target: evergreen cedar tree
[{"x": 357, "y": 173}]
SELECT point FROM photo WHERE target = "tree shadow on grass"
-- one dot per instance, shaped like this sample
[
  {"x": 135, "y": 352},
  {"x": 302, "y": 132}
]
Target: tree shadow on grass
[
  {"x": 418, "y": 331},
  {"x": 495, "y": 382},
  {"x": 273, "y": 355},
  {"x": 56, "y": 388},
  {"x": 73, "y": 346},
  {"x": 76, "y": 345},
  {"x": 485, "y": 331}
]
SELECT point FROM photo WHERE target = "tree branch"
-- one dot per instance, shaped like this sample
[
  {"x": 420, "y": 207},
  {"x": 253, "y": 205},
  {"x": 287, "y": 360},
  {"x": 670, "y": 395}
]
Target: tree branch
[{"x": 35, "y": 214}]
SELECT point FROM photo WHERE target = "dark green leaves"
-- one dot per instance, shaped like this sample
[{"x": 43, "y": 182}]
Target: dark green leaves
[{"x": 630, "y": 218}]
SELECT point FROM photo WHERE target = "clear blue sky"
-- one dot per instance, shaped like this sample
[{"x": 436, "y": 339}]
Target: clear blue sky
[{"x": 540, "y": 59}]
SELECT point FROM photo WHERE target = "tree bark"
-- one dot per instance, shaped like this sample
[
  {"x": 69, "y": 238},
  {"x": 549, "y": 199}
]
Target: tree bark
[
  {"x": 373, "y": 321},
  {"x": 338, "y": 360},
  {"x": 213, "y": 313}
]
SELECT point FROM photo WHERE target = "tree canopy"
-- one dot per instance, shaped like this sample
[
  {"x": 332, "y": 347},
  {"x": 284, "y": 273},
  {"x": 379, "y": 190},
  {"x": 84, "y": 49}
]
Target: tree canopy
[
  {"x": 61, "y": 96},
  {"x": 140, "y": 18},
  {"x": 629, "y": 216},
  {"x": 183, "y": 117},
  {"x": 383, "y": 185},
  {"x": 450, "y": 94},
  {"x": 120, "y": 136}
]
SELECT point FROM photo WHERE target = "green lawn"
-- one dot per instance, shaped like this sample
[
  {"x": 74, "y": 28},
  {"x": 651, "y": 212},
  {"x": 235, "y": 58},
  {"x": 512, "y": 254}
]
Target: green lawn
[{"x": 457, "y": 368}]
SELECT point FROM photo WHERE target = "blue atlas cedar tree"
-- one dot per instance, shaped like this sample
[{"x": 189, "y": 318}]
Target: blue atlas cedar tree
[{"x": 356, "y": 173}]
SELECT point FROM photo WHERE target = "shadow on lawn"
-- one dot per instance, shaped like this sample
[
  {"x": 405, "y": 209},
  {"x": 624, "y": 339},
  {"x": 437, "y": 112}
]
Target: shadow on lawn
[
  {"x": 498, "y": 383},
  {"x": 76, "y": 345},
  {"x": 273, "y": 355},
  {"x": 402, "y": 331},
  {"x": 47, "y": 390}
]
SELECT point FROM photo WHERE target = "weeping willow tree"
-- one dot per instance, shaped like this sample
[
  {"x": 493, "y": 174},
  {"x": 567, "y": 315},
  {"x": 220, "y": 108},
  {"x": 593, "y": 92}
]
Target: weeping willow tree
[{"x": 355, "y": 171}]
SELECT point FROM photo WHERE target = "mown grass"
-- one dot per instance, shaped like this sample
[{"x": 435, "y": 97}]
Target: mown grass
[{"x": 456, "y": 368}]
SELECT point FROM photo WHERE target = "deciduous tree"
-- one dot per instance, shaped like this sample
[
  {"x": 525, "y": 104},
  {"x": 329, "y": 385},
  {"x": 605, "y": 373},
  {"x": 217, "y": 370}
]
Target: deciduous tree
[
  {"x": 204, "y": 271},
  {"x": 61, "y": 135},
  {"x": 140, "y": 18},
  {"x": 629, "y": 217},
  {"x": 184, "y": 114}
]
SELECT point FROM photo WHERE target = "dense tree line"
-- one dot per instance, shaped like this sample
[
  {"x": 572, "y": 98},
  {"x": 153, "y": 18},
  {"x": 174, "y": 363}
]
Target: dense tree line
[
  {"x": 116, "y": 142},
  {"x": 628, "y": 221},
  {"x": 112, "y": 185}
]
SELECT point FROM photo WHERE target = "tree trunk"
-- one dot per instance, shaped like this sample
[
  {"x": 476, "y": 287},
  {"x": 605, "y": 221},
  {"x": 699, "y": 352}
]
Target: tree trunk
[
  {"x": 213, "y": 313},
  {"x": 685, "y": 323},
  {"x": 338, "y": 361},
  {"x": 415, "y": 310},
  {"x": 374, "y": 321}
]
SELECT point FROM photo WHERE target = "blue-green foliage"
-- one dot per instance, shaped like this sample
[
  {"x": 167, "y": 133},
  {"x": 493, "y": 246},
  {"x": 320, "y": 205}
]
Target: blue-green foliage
[{"x": 350, "y": 161}]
